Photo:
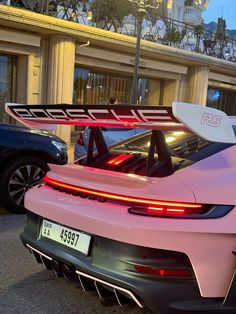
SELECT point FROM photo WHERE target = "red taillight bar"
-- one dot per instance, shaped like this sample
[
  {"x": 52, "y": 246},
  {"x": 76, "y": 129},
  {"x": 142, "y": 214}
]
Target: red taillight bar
[
  {"x": 166, "y": 209},
  {"x": 117, "y": 197},
  {"x": 163, "y": 272}
]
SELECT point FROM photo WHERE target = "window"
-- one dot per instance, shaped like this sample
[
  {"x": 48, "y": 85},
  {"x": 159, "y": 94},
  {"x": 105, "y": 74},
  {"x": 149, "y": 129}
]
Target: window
[
  {"x": 224, "y": 100},
  {"x": 188, "y": 3},
  {"x": 180, "y": 144},
  {"x": 213, "y": 98},
  {"x": 96, "y": 88},
  {"x": 7, "y": 84}
]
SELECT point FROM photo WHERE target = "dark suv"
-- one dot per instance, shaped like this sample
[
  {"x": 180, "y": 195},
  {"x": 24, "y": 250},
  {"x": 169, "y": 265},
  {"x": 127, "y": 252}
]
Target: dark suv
[{"x": 24, "y": 155}]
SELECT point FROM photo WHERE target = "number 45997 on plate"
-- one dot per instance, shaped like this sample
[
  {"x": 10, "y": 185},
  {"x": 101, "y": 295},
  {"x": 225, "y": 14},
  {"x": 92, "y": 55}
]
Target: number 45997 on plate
[{"x": 69, "y": 237}]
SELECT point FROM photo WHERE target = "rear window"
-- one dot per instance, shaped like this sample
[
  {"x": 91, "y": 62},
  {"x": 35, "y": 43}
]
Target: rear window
[
  {"x": 181, "y": 144},
  {"x": 136, "y": 156}
]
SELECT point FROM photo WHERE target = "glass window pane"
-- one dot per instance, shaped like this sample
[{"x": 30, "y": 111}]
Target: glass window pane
[
  {"x": 213, "y": 98},
  {"x": 96, "y": 88},
  {"x": 6, "y": 84}
]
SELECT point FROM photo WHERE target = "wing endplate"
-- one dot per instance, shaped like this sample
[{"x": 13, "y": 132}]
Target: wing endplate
[{"x": 209, "y": 123}]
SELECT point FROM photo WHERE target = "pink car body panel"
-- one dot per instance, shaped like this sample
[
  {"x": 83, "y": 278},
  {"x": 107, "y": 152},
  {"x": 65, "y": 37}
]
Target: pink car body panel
[
  {"x": 212, "y": 179},
  {"x": 208, "y": 243},
  {"x": 168, "y": 188}
]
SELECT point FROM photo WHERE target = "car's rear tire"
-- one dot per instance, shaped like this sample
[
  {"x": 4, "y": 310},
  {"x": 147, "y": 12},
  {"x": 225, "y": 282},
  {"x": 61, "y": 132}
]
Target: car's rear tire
[{"x": 18, "y": 176}]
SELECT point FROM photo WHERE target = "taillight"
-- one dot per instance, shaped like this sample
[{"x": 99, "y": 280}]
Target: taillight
[
  {"x": 163, "y": 272},
  {"x": 80, "y": 140},
  {"x": 138, "y": 205},
  {"x": 171, "y": 210}
]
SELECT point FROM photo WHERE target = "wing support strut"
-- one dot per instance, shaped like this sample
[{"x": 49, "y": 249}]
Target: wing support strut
[
  {"x": 96, "y": 137},
  {"x": 158, "y": 146}
]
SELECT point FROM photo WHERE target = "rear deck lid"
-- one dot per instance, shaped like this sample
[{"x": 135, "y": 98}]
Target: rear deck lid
[{"x": 118, "y": 184}]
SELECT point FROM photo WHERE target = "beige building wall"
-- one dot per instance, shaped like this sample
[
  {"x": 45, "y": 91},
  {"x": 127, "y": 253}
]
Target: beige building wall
[
  {"x": 154, "y": 92},
  {"x": 30, "y": 79},
  {"x": 43, "y": 72},
  {"x": 198, "y": 84},
  {"x": 183, "y": 89},
  {"x": 48, "y": 49},
  {"x": 193, "y": 87},
  {"x": 61, "y": 62},
  {"x": 21, "y": 80},
  {"x": 33, "y": 79},
  {"x": 170, "y": 93}
]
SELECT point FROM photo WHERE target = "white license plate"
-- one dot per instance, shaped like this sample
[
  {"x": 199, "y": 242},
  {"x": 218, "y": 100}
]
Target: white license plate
[{"x": 71, "y": 238}]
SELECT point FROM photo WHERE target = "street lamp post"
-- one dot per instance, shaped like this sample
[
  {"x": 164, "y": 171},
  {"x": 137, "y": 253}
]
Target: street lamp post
[
  {"x": 134, "y": 88},
  {"x": 141, "y": 11}
]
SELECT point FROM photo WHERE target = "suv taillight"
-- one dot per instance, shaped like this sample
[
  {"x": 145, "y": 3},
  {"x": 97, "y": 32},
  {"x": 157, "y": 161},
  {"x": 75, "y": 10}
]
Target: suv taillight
[{"x": 80, "y": 140}]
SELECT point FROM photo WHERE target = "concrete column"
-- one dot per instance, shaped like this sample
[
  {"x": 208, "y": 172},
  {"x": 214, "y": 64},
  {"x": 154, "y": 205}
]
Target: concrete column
[
  {"x": 154, "y": 87},
  {"x": 22, "y": 79},
  {"x": 171, "y": 88},
  {"x": 61, "y": 76},
  {"x": 28, "y": 79},
  {"x": 44, "y": 61},
  {"x": 198, "y": 84},
  {"x": 30, "y": 66},
  {"x": 183, "y": 94}
]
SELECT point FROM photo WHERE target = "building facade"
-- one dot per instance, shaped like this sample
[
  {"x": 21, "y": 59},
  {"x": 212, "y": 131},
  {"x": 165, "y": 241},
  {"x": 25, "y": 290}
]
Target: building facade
[
  {"x": 47, "y": 60},
  {"x": 187, "y": 11}
]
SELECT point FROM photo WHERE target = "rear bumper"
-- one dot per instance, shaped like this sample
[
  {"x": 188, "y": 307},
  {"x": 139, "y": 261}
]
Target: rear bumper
[
  {"x": 113, "y": 262},
  {"x": 109, "y": 268},
  {"x": 208, "y": 243}
]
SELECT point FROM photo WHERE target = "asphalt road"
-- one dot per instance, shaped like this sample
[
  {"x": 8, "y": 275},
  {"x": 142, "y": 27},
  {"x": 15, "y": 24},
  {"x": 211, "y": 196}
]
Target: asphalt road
[{"x": 26, "y": 287}]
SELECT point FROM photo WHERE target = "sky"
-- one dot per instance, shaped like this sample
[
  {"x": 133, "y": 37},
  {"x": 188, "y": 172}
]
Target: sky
[{"x": 216, "y": 8}]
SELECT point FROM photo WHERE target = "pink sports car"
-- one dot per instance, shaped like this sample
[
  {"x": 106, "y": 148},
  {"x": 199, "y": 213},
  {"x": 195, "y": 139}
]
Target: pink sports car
[{"x": 151, "y": 220}]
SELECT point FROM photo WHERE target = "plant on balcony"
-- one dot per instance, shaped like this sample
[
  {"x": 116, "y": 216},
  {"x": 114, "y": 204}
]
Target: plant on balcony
[
  {"x": 110, "y": 13},
  {"x": 173, "y": 35},
  {"x": 198, "y": 32}
]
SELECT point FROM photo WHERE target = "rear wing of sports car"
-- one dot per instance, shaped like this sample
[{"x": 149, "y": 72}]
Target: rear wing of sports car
[{"x": 209, "y": 123}]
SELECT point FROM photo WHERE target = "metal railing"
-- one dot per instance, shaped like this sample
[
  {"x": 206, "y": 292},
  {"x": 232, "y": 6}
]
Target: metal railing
[{"x": 162, "y": 30}]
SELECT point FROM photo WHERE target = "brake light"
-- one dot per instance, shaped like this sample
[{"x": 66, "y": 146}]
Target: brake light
[
  {"x": 80, "y": 140},
  {"x": 170, "y": 210},
  {"x": 143, "y": 206},
  {"x": 176, "y": 211},
  {"x": 163, "y": 272}
]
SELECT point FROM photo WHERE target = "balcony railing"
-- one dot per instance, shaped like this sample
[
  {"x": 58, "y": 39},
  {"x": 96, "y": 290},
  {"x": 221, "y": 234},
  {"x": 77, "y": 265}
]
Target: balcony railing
[{"x": 165, "y": 31}]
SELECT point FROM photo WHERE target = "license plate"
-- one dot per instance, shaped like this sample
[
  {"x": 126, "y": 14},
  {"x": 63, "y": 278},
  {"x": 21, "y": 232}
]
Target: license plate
[{"x": 71, "y": 238}]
